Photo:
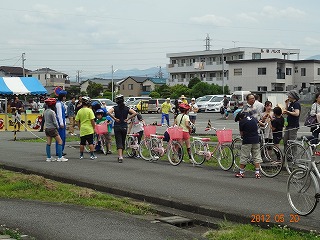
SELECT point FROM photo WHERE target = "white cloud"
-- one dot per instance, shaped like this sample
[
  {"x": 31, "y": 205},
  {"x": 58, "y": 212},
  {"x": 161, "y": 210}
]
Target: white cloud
[
  {"x": 247, "y": 17},
  {"x": 289, "y": 12},
  {"x": 212, "y": 19}
]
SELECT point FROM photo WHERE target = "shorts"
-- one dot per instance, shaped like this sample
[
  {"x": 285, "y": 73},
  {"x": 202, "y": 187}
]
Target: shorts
[
  {"x": 86, "y": 138},
  {"x": 254, "y": 149},
  {"x": 51, "y": 132},
  {"x": 192, "y": 117},
  {"x": 277, "y": 137}
]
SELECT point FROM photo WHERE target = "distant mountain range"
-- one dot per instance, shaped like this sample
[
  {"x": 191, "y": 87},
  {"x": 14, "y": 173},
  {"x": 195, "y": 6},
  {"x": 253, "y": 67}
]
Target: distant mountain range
[
  {"x": 150, "y": 72},
  {"x": 316, "y": 57}
]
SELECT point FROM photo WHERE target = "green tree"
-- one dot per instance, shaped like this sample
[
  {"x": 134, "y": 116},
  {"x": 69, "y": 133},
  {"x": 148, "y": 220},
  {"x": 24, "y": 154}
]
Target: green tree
[
  {"x": 94, "y": 89},
  {"x": 73, "y": 91},
  {"x": 154, "y": 94},
  {"x": 164, "y": 91},
  {"x": 201, "y": 89},
  {"x": 193, "y": 82},
  {"x": 178, "y": 90}
]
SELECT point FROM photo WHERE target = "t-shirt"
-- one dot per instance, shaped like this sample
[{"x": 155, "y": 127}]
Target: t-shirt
[
  {"x": 249, "y": 127},
  {"x": 293, "y": 121},
  {"x": 137, "y": 124},
  {"x": 50, "y": 120},
  {"x": 278, "y": 124},
  {"x": 122, "y": 114},
  {"x": 192, "y": 107},
  {"x": 165, "y": 107},
  {"x": 184, "y": 118},
  {"x": 84, "y": 116}
]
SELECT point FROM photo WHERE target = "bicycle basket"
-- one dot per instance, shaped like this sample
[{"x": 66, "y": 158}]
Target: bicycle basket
[
  {"x": 224, "y": 135},
  {"x": 176, "y": 133},
  {"x": 149, "y": 129},
  {"x": 101, "y": 128}
]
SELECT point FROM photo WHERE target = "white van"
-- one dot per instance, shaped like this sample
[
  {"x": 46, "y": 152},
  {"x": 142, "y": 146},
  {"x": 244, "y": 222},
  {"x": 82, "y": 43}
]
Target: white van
[
  {"x": 129, "y": 100},
  {"x": 241, "y": 96}
]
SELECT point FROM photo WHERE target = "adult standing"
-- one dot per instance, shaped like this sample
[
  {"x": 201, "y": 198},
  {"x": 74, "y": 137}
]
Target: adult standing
[
  {"x": 165, "y": 109},
  {"x": 61, "y": 118},
  {"x": 259, "y": 106},
  {"x": 183, "y": 99},
  {"x": 249, "y": 108},
  {"x": 293, "y": 109},
  {"x": 225, "y": 106},
  {"x": 71, "y": 113},
  {"x": 17, "y": 108},
  {"x": 78, "y": 104},
  {"x": 315, "y": 111},
  {"x": 193, "y": 110},
  {"x": 119, "y": 114}
]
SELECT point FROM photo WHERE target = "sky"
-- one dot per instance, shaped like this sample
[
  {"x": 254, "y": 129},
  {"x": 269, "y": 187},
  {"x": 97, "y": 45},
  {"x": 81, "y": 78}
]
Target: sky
[{"x": 91, "y": 36}]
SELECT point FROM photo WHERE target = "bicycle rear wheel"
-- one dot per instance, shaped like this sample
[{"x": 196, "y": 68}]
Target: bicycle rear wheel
[
  {"x": 144, "y": 149},
  {"x": 175, "y": 153},
  {"x": 236, "y": 148},
  {"x": 130, "y": 141},
  {"x": 272, "y": 160},
  {"x": 103, "y": 144},
  {"x": 198, "y": 151},
  {"x": 224, "y": 156},
  {"x": 301, "y": 191},
  {"x": 293, "y": 152}
]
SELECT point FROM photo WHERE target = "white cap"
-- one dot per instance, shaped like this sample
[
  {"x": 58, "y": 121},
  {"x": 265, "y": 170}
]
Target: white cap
[{"x": 193, "y": 99}]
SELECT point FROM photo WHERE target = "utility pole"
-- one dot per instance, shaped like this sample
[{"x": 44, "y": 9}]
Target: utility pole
[
  {"x": 222, "y": 71},
  {"x": 78, "y": 76},
  {"x": 23, "y": 59},
  {"x": 208, "y": 42},
  {"x": 160, "y": 73}
]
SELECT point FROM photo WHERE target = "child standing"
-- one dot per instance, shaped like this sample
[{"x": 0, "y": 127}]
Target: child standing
[
  {"x": 248, "y": 127},
  {"x": 277, "y": 125},
  {"x": 100, "y": 114},
  {"x": 265, "y": 120},
  {"x": 51, "y": 129},
  {"x": 85, "y": 119}
]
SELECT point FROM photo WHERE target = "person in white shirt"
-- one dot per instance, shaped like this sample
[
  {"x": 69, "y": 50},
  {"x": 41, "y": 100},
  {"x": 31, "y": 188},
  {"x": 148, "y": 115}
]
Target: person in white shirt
[{"x": 193, "y": 110}]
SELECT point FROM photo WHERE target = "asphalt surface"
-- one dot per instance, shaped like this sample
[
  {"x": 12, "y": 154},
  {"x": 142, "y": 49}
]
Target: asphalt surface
[{"x": 204, "y": 190}]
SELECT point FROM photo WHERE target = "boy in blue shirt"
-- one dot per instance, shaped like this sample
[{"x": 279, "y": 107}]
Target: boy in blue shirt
[{"x": 248, "y": 127}]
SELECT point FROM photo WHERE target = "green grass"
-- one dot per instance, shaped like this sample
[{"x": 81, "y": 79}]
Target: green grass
[
  {"x": 33, "y": 187},
  {"x": 229, "y": 231}
]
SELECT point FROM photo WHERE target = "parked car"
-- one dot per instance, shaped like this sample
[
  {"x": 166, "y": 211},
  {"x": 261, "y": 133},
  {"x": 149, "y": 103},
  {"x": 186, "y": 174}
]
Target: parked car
[
  {"x": 241, "y": 96},
  {"x": 216, "y": 103},
  {"x": 109, "y": 103},
  {"x": 129, "y": 100},
  {"x": 154, "y": 105},
  {"x": 139, "y": 105},
  {"x": 202, "y": 102}
]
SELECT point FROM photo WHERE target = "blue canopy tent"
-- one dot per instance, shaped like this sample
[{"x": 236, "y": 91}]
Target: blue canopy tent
[{"x": 21, "y": 85}]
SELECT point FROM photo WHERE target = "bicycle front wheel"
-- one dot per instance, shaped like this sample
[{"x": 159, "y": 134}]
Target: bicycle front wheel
[
  {"x": 301, "y": 191},
  {"x": 103, "y": 144},
  {"x": 198, "y": 151},
  {"x": 175, "y": 153},
  {"x": 272, "y": 160},
  {"x": 225, "y": 157},
  {"x": 293, "y": 152},
  {"x": 236, "y": 148},
  {"x": 129, "y": 149},
  {"x": 144, "y": 149}
]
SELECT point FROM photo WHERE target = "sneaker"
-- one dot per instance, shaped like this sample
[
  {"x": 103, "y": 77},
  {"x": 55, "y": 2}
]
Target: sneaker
[
  {"x": 81, "y": 157},
  {"x": 120, "y": 160},
  {"x": 138, "y": 156},
  {"x": 109, "y": 152},
  {"x": 258, "y": 176},
  {"x": 93, "y": 157},
  {"x": 50, "y": 159},
  {"x": 62, "y": 159},
  {"x": 239, "y": 175}
]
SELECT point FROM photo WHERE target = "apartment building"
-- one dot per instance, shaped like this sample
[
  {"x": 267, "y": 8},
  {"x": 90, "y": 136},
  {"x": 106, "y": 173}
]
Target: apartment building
[
  {"x": 51, "y": 78},
  {"x": 212, "y": 66}
]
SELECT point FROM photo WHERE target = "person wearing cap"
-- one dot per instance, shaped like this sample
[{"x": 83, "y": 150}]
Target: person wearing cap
[
  {"x": 61, "y": 118},
  {"x": 193, "y": 110},
  {"x": 250, "y": 148},
  {"x": 183, "y": 99},
  {"x": 165, "y": 109},
  {"x": 293, "y": 109}
]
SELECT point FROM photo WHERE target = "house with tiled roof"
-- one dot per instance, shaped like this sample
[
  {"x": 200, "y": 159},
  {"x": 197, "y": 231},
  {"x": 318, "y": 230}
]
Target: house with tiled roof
[
  {"x": 7, "y": 71},
  {"x": 138, "y": 86},
  {"x": 51, "y": 78}
]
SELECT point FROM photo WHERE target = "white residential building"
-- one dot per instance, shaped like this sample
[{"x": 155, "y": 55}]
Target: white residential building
[
  {"x": 51, "y": 78},
  {"x": 211, "y": 65}
]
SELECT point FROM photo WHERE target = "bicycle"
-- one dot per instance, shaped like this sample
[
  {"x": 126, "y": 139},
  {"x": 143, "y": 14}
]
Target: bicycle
[
  {"x": 100, "y": 130},
  {"x": 200, "y": 150},
  {"x": 145, "y": 144},
  {"x": 297, "y": 150},
  {"x": 132, "y": 145},
  {"x": 173, "y": 149},
  {"x": 271, "y": 155},
  {"x": 303, "y": 191}
]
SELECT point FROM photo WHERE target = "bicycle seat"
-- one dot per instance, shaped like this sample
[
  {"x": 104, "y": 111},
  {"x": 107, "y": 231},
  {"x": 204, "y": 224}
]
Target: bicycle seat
[
  {"x": 134, "y": 134},
  {"x": 205, "y": 139},
  {"x": 160, "y": 136}
]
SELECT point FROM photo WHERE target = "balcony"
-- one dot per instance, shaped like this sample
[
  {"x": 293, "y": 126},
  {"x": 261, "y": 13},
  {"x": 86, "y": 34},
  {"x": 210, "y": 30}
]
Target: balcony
[{"x": 281, "y": 76}]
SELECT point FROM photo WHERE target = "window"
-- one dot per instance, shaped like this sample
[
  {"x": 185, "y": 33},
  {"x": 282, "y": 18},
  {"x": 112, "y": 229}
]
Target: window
[
  {"x": 262, "y": 71},
  {"x": 212, "y": 75},
  {"x": 130, "y": 86},
  {"x": 256, "y": 55},
  {"x": 238, "y": 88},
  {"x": 240, "y": 56},
  {"x": 174, "y": 61},
  {"x": 288, "y": 71},
  {"x": 303, "y": 71},
  {"x": 123, "y": 87},
  {"x": 318, "y": 71},
  {"x": 237, "y": 71},
  {"x": 262, "y": 88}
]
